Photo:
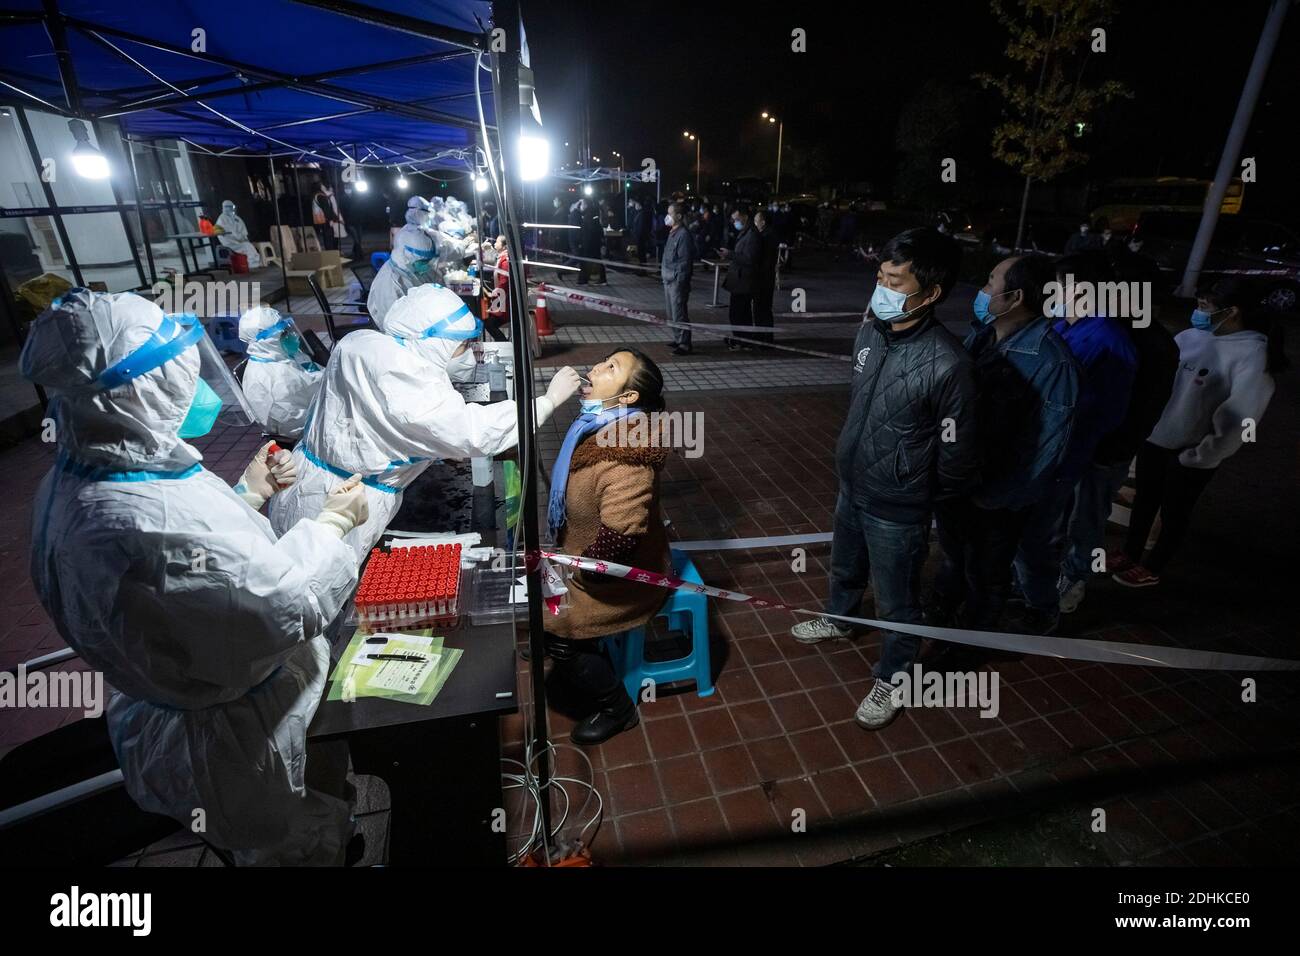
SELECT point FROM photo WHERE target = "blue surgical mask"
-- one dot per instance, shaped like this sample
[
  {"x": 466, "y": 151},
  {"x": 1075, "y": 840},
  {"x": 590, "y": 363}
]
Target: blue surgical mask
[
  {"x": 738, "y": 224},
  {"x": 592, "y": 406},
  {"x": 203, "y": 412},
  {"x": 290, "y": 343},
  {"x": 1202, "y": 319},
  {"x": 981, "y": 306},
  {"x": 887, "y": 305},
  {"x": 420, "y": 267}
]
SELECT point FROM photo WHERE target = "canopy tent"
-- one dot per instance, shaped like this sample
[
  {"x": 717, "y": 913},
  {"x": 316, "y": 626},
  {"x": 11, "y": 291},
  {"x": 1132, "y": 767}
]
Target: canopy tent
[
  {"x": 248, "y": 77},
  {"x": 386, "y": 83}
]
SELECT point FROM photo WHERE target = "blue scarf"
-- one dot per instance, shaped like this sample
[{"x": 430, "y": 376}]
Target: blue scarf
[{"x": 582, "y": 426}]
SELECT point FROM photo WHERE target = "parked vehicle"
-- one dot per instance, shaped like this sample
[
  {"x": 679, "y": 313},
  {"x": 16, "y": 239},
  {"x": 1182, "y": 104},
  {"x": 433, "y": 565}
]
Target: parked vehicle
[{"x": 1242, "y": 245}]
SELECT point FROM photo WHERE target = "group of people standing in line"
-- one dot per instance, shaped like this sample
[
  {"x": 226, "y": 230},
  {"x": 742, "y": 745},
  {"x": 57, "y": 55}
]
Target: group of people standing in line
[{"x": 1016, "y": 440}]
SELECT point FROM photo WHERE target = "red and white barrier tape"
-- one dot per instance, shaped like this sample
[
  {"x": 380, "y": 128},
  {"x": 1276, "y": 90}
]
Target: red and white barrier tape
[
  {"x": 616, "y": 307},
  {"x": 1066, "y": 648}
]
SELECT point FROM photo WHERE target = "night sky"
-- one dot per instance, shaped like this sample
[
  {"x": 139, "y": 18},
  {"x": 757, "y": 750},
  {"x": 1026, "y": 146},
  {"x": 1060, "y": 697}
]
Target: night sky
[{"x": 714, "y": 67}]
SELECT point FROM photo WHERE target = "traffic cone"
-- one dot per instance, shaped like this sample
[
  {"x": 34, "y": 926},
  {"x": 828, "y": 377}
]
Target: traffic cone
[{"x": 542, "y": 319}]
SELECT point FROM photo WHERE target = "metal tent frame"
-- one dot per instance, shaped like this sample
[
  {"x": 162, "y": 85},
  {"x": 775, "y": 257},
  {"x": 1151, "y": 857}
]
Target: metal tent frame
[{"x": 183, "y": 108}]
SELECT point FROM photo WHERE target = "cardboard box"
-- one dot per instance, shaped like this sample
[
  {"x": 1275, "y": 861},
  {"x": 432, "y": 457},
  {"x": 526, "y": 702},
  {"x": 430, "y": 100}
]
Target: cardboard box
[{"x": 315, "y": 260}]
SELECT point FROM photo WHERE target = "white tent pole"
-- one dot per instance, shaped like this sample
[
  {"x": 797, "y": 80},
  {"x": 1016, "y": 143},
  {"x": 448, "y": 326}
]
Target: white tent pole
[{"x": 1232, "y": 147}]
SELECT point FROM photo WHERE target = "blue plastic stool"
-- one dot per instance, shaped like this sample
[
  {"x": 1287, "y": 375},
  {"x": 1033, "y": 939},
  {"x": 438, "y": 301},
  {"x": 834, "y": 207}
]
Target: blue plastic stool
[{"x": 686, "y": 612}]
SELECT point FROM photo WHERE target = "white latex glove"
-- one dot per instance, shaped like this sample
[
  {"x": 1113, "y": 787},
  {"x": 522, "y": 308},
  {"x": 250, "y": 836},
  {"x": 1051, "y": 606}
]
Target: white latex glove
[
  {"x": 345, "y": 507},
  {"x": 256, "y": 484},
  {"x": 563, "y": 386},
  {"x": 283, "y": 471}
]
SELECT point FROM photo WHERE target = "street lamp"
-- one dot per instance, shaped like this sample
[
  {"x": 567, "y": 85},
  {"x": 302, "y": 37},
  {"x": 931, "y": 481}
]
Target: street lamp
[
  {"x": 689, "y": 135},
  {"x": 780, "y": 134}
]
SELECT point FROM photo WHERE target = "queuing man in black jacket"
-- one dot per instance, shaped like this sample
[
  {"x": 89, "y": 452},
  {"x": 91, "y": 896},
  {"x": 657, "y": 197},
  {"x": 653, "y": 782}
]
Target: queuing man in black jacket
[
  {"x": 675, "y": 269},
  {"x": 744, "y": 256},
  {"x": 908, "y": 441},
  {"x": 765, "y": 274}
]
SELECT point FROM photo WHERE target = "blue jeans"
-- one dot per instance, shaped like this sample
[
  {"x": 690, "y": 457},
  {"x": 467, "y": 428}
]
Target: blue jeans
[
  {"x": 1038, "y": 559},
  {"x": 1086, "y": 529},
  {"x": 889, "y": 556}
]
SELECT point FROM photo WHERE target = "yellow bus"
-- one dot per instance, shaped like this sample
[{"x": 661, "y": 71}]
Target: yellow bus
[{"x": 1121, "y": 201}]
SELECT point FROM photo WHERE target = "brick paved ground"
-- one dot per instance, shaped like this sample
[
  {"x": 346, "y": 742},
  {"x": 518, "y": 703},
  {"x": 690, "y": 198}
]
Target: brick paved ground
[{"x": 1187, "y": 772}]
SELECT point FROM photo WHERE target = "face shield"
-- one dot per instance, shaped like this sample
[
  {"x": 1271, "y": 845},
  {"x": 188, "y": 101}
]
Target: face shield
[
  {"x": 278, "y": 341},
  {"x": 217, "y": 396}
]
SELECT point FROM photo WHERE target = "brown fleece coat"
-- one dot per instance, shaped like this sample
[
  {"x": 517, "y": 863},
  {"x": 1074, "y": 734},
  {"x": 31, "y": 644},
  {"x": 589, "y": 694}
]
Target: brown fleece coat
[{"x": 617, "y": 486}]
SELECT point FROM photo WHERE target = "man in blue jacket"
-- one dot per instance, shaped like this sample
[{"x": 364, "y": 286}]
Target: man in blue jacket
[
  {"x": 1105, "y": 353},
  {"x": 1027, "y": 384}
]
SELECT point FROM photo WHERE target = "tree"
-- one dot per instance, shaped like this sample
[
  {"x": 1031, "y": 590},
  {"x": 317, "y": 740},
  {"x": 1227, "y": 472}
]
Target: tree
[
  {"x": 932, "y": 125},
  {"x": 1052, "y": 41}
]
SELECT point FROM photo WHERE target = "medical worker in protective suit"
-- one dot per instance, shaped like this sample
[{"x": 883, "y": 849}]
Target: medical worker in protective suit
[
  {"x": 419, "y": 212},
  {"x": 234, "y": 235},
  {"x": 280, "y": 380},
  {"x": 170, "y": 582},
  {"x": 387, "y": 408},
  {"x": 409, "y": 266}
]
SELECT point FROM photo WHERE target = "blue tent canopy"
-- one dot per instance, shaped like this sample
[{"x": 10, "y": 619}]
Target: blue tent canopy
[{"x": 277, "y": 76}]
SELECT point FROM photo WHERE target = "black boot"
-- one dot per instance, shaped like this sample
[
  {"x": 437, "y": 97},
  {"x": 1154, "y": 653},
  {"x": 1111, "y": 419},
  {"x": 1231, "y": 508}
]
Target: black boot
[
  {"x": 616, "y": 714},
  {"x": 586, "y": 669}
]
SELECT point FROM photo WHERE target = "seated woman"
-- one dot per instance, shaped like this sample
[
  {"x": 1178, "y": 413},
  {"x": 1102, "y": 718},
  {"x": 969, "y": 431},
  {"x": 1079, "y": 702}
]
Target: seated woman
[{"x": 605, "y": 504}]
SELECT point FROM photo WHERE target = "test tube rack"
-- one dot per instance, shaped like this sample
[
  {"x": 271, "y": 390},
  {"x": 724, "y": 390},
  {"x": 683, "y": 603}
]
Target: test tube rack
[{"x": 410, "y": 587}]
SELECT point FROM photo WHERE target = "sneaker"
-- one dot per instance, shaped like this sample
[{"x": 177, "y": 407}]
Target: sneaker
[
  {"x": 1136, "y": 577},
  {"x": 681, "y": 350},
  {"x": 819, "y": 629},
  {"x": 1118, "y": 562},
  {"x": 877, "y": 708},
  {"x": 1071, "y": 593}
]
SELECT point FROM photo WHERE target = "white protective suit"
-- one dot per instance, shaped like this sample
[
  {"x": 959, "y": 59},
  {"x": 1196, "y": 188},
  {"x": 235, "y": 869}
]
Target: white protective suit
[
  {"x": 388, "y": 407},
  {"x": 405, "y": 269},
  {"x": 278, "y": 386},
  {"x": 235, "y": 236},
  {"x": 158, "y": 574},
  {"x": 418, "y": 212}
]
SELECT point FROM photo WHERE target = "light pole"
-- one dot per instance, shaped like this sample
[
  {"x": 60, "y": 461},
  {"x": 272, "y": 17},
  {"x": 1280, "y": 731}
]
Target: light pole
[
  {"x": 689, "y": 135},
  {"x": 780, "y": 135}
]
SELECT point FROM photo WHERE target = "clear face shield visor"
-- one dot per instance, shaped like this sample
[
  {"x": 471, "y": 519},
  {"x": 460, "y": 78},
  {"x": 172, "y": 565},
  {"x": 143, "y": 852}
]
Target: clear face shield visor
[{"x": 217, "y": 396}]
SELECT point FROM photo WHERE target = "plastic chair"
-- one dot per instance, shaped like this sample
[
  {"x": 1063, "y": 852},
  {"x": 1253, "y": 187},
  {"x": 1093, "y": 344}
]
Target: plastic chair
[
  {"x": 267, "y": 253},
  {"x": 686, "y": 612}
]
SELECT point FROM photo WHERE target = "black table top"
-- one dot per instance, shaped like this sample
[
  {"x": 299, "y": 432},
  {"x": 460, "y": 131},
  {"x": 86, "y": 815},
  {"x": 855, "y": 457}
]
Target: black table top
[{"x": 487, "y": 666}]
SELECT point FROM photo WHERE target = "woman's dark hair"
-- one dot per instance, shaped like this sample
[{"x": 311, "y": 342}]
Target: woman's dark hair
[
  {"x": 646, "y": 379},
  {"x": 1248, "y": 296}
]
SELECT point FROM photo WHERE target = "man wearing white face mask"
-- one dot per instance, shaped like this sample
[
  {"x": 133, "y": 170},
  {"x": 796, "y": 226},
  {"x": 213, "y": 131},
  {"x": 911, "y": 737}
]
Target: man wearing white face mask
[
  {"x": 387, "y": 408},
  {"x": 909, "y": 441},
  {"x": 675, "y": 267}
]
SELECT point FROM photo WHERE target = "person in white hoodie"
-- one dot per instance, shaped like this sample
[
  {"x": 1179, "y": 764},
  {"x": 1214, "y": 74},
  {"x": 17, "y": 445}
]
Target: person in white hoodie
[
  {"x": 387, "y": 408},
  {"x": 1226, "y": 364}
]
